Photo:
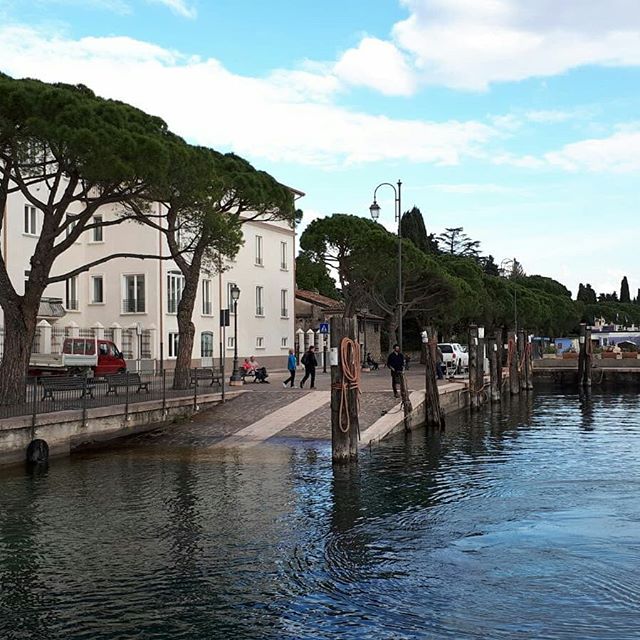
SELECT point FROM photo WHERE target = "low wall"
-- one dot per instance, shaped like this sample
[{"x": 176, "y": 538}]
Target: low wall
[
  {"x": 608, "y": 377},
  {"x": 66, "y": 430},
  {"x": 454, "y": 396}
]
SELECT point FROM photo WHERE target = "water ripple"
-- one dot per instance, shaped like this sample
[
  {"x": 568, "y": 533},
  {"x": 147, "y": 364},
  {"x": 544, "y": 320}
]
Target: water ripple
[{"x": 518, "y": 522}]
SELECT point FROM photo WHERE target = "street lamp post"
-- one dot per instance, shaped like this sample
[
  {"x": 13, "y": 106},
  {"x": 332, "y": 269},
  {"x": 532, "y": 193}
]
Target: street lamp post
[
  {"x": 374, "y": 210},
  {"x": 504, "y": 265},
  {"x": 235, "y": 376}
]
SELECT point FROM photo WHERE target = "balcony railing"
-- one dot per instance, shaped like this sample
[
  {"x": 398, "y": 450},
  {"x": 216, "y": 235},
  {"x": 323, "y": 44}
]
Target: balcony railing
[
  {"x": 284, "y": 312},
  {"x": 259, "y": 311},
  {"x": 283, "y": 266},
  {"x": 259, "y": 260},
  {"x": 133, "y": 305},
  {"x": 72, "y": 305},
  {"x": 206, "y": 308}
]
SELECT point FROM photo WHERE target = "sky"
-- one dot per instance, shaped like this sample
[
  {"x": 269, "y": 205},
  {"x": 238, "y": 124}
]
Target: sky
[{"x": 518, "y": 120}]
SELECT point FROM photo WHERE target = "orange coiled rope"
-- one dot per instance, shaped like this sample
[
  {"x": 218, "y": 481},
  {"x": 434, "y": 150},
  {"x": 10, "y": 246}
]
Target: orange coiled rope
[{"x": 350, "y": 366}]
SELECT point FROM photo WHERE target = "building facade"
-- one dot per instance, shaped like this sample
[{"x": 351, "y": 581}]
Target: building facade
[
  {"x": 134, "y": 301},
  {"x": 314, "y": 309}
]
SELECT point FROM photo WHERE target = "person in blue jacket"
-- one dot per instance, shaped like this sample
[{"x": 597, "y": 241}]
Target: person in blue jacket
[{"x": 291, "y": 366}]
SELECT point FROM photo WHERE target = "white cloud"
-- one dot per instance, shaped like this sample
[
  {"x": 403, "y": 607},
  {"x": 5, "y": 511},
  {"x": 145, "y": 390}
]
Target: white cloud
[
  {"x": 549, "y": 116},
  {"x": 619, "y": 153},
  {"x": 180, "y": 7},
  {"x": 377, "y": 64},
  {"x": 470, "y": 44},
  {"x": 285, "y": 117},
  {"x": 472, "y": 188}
]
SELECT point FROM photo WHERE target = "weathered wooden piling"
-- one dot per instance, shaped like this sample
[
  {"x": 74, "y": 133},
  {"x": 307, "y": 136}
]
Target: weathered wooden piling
[
  {"x": 512, "y": 363},
  {"x": 522, "y": 356},
  {"x": 474, "y": 398},
  {"x": 495, "y": 367},
  {"x": 480, "y": 370},
  {"x": 585, "y": 356},
  {"x": 345, "y": 378},
  {"x": 434, "y": 416},
  {"x": 529, "y": 362}
]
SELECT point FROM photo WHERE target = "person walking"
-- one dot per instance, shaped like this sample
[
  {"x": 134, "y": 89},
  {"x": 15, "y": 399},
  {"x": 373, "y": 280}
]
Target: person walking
[
  {"x": 291, "y": 366},
  {"x": 310, "y": 363},
  {"x": 395, "y": 364}
]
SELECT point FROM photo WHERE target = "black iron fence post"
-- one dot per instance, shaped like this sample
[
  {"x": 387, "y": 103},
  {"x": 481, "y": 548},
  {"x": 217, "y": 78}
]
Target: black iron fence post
[
  {"x": 195, "y": 389},
  {"x": 34, "y": 407},
  {"x": 164, "y": 393},
  {"x": 126, "y": 395},
  {"x": 84, "y": 400}
]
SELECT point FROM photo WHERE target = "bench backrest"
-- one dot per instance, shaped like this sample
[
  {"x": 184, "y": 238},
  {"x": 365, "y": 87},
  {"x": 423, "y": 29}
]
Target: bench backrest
[{"x": 133, "y": 378}]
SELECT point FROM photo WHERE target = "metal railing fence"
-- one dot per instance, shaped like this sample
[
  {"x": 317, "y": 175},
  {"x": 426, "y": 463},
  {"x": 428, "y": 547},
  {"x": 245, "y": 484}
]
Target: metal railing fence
[{"x": 55, "y": 393}]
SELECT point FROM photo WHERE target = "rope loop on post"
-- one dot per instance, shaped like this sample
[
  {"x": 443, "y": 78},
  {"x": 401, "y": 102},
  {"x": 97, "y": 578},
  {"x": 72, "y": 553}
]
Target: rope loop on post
[{"x": 350, "y": 369}]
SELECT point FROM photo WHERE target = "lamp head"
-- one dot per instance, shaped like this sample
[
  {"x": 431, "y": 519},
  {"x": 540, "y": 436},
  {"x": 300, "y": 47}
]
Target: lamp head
[
  {"x": 235, "y": 292},
  {"x": 374, "y": 210}
]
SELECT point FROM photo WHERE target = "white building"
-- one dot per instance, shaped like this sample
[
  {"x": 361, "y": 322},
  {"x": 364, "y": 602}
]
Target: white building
[{"x": 134, "y": 301}]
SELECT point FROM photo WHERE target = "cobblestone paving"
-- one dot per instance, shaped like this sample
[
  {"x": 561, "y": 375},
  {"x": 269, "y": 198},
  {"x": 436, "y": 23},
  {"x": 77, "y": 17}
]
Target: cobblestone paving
[
  {"x": 317, "y": 425},
  {"x": 260, "y": 400},
  {"x": 212, "y": 425}
]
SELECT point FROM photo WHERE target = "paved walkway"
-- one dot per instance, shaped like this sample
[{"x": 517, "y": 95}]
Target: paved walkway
[{"x": 278, "y": 420}]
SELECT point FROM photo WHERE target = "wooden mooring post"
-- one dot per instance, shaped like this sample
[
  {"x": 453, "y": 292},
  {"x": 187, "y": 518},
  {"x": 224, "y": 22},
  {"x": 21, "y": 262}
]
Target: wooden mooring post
[
  {"x": 495, "y": 366},
  {"x": 434, "y": 416},
  {"x": 474, "y": 397},
  {"x": 585, "y": 356},
  {"x": 512, "y": 363},
  {"x": 345, "y": 376},
  {"x": 522, "y": 357}
]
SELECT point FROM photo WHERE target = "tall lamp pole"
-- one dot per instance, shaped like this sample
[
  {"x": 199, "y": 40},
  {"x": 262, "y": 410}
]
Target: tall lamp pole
[
  {"x": 374, "y": 210},
  {"x": 504, "y": 265},
  {"x": 235, "y": 294}
]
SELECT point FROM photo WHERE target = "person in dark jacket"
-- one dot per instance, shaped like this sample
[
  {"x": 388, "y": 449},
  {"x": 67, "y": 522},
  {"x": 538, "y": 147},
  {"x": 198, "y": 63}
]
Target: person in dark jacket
[
  {"x": 395, "y": 364},
  {"x": 310, "y": 363}
]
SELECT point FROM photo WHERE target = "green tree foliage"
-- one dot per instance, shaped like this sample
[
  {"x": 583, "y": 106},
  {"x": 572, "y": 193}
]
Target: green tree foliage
[
  {"x": 455, "y": 242},
  {"x": 625, "y": 295},
  {"x": 489, "y": 265},
  {"x": 207, "y": 198},
  {"x": 608, "y": 297},
  {"x": 412, "y": 228},
  {"x": 314, "y": 276},
  {"x": 364, "y": 256},
  {"x": 586, "y": 294},
  {"x": 68, "y": 153}
]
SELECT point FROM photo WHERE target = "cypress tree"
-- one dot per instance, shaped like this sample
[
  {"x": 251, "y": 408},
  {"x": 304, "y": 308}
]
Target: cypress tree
[{"x": 625, "y": 296}]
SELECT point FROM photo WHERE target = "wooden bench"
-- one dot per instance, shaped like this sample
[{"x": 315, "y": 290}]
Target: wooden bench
[
  {"x": 211, "y": 375},
  {"x": 54, "y": 384},
  {"x": 119, "y": 380}
]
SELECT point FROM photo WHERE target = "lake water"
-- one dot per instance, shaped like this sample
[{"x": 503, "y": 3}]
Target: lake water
[{"x": 522, "y": 523}]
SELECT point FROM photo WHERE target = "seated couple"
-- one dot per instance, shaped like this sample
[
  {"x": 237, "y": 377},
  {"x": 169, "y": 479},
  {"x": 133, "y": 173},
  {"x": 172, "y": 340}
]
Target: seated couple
[{"x": 251, "y": 367}]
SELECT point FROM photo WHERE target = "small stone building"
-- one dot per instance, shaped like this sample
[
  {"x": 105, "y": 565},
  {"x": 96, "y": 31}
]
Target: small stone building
[{"x": 313, "y": 309}]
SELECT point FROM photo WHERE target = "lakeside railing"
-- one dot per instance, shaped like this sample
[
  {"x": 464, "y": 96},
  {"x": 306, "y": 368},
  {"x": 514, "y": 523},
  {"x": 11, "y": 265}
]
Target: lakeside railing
[{"x": 47, "y": 394}]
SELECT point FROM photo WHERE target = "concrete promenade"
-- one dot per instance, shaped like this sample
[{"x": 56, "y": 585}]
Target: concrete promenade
[{"x": 269, "y": 412}]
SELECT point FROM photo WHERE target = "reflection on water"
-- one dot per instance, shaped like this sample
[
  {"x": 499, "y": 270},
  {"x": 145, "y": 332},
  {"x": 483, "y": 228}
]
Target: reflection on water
[{"x": 520, "y": 522}]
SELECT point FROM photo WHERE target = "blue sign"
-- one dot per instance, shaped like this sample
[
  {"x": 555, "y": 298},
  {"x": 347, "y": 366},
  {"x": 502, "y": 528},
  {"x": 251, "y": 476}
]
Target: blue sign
[{"x": 324, "y": 327}]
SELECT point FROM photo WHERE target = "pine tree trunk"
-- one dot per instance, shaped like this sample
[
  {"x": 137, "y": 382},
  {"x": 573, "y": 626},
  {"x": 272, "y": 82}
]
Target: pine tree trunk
[
  {"x": 186, "y": 330},
  {"x": 19, "y": 331}
]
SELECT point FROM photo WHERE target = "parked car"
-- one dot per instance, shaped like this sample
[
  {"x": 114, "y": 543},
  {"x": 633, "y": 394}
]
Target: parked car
[
  {"x": 90, "y": 356},
  {"x": 455, "y": 356}
]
